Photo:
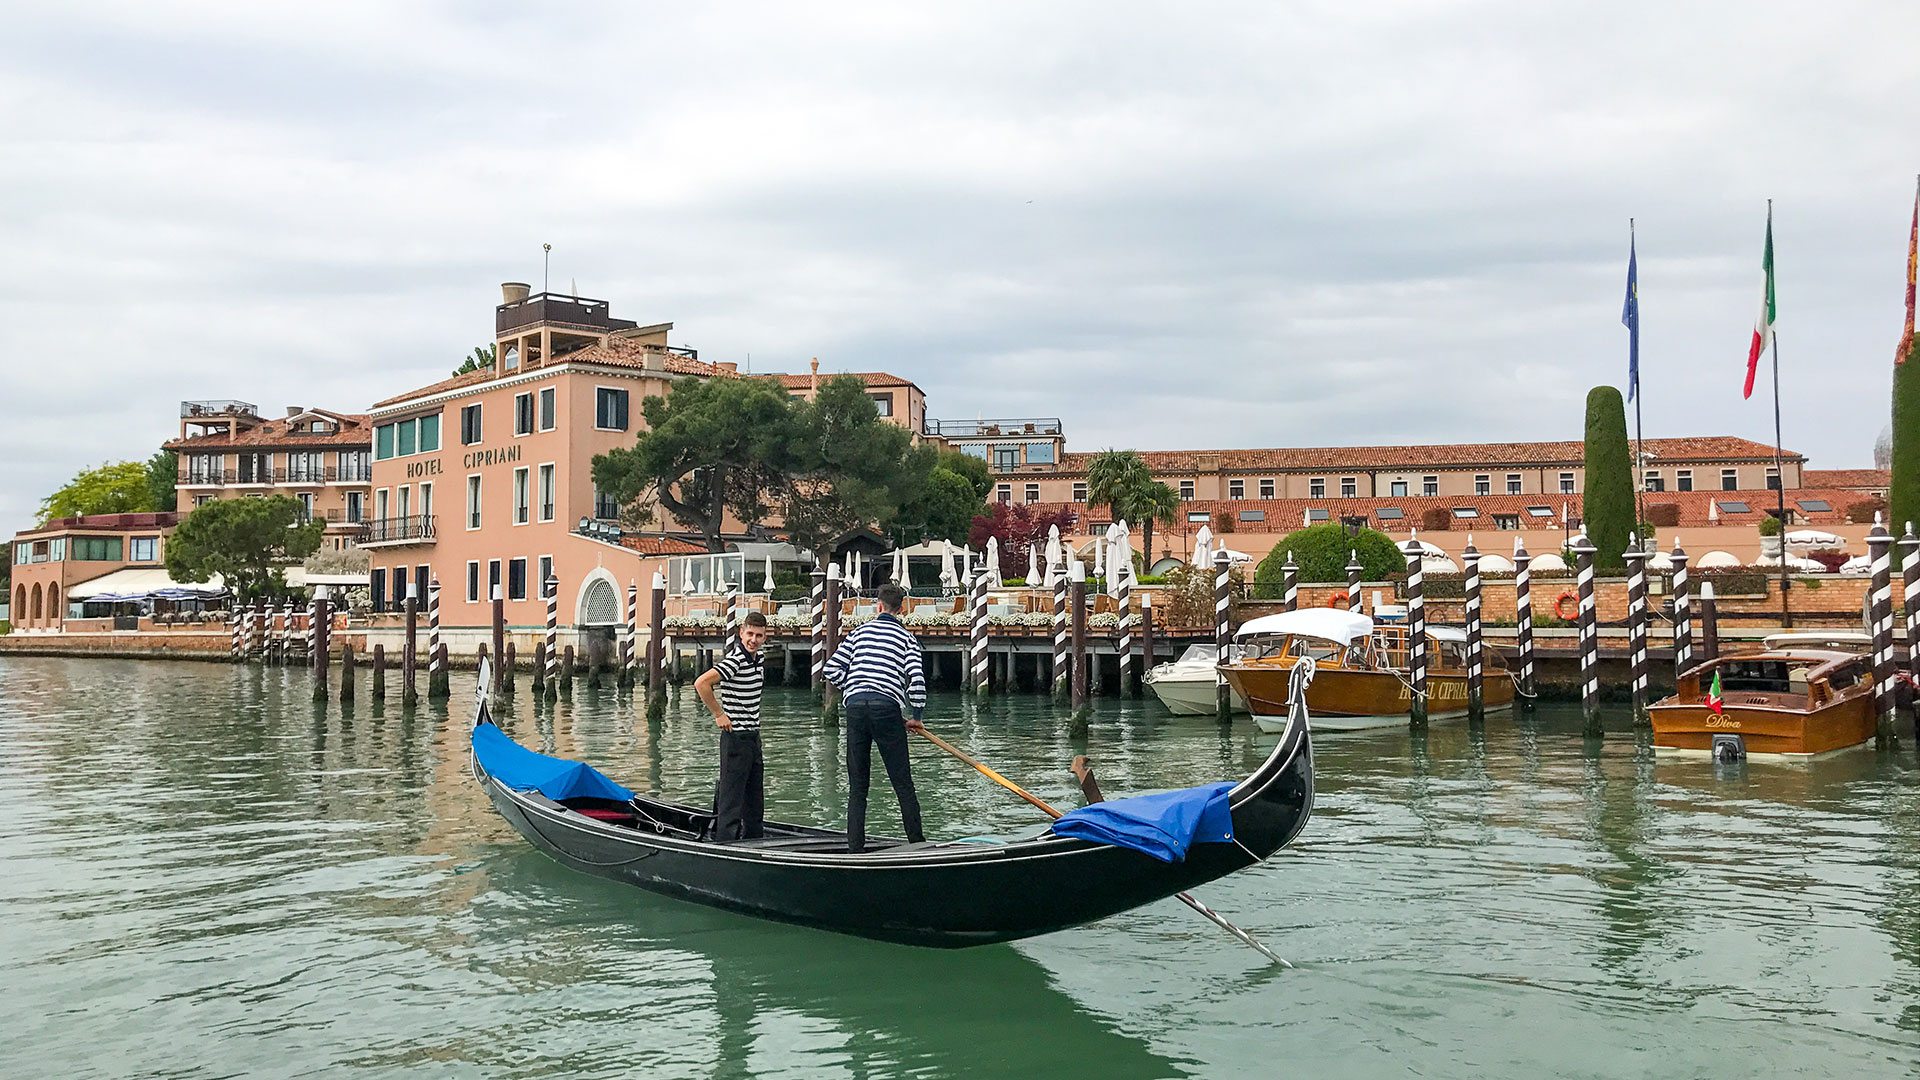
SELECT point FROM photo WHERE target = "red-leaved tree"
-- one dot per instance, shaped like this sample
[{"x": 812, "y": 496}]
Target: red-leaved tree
[{"x": 1018, "y": 527}]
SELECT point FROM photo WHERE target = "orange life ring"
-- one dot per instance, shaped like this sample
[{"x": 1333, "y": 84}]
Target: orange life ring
[
  {"x": 1560, "y": 604},
  {"x": 1337, "y": 601}
]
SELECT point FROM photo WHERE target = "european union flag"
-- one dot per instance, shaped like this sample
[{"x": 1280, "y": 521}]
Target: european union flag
[{"x": 1630, "y": 318}]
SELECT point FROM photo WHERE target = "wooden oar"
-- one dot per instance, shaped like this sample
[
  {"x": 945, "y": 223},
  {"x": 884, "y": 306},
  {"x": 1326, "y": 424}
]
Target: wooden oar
[{"x": 1211, "y": 915}]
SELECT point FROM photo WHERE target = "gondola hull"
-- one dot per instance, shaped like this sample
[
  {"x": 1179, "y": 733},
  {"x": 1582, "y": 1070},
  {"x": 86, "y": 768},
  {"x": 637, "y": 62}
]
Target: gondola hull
[{"x": 943, "y": 895}]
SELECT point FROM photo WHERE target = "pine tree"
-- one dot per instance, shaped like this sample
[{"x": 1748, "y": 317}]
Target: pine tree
[{"x": 1606, "y": 509}]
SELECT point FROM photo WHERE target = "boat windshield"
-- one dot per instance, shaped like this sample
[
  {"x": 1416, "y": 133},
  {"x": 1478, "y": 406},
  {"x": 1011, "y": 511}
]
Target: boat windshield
[
  {"x": 1199, "y": 654},
  {"x": 1318, "y": 648},
  {"x": 1763, "y": 677}
]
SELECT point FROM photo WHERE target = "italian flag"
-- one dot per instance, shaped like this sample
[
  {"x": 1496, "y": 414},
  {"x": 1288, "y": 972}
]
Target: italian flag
[
  {"x": 1763, "y": 329},
  {"x": 1713, "y": 697}
]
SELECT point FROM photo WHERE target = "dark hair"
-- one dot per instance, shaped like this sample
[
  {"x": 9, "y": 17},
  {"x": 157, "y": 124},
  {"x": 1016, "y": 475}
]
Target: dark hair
[
  {"x": 753, "y": 618},
  {"x": 892, "y": 596}
]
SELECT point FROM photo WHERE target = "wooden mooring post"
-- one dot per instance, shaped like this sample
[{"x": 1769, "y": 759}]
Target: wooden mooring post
[
  {"x": 1709, "y": 624},
  {"x": 976, "y": 666},
  {"x": 437, "y": 681},
  {"x": 1682, "y": 614},
  {"x": 1416, "y": 632},
  {"x": 1061, "y": 637},
  {"x": 1910, "y": 595},
  {"x": 1123, "y": 632},
  {"x": 1077, "y": 588},
  {"x": 1880, "y": 600},
  {"x": 379, "y": 671},
  {"x": 409, "y": 693},
  {"x": 566, "y": 672},
  {"x": 816, "y": 635},
  {"x": 1354, "y": 571},
  {"x": 830, "y": 622},
  {"x": 1146, "y": 639},
  {"x": 1637, "y": 629},
  {"x": 501, "y": 676},
  {"x": 1584, "y": 552},
  {"x": 1222, "y": 633},
  {"x": 629, "y": 631},
  {"x": 320, "y": 630},
  {"x": 1476, "y": 684},
  {"x": 347, "y": 673},
  {"x": 1523, "y": 616},
  {"x": 1290, "y": 582},
  {"x": 547, "y": 679},
  {"x": 656, "y": 651}
]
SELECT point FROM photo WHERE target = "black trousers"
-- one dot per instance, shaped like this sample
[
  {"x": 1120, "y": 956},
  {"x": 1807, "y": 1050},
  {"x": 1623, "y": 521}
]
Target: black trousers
[
  {"x": 740, "y": 798},
  {"x": 874, "y": 720}
]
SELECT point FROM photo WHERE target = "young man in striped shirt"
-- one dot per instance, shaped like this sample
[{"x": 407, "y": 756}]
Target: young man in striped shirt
[
  {"x": 731, "y": 691},
  {"x": 880, "y": 672}
]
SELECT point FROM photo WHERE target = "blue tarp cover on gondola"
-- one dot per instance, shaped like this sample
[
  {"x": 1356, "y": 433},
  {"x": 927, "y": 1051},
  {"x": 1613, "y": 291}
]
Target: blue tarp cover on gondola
[
  {"x": 523, "y": 770},
  {"x": 1162, "y": 825}
]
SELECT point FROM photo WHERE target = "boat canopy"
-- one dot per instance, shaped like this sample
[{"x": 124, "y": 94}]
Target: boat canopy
[
  {"x": 1162, "y": 825},
  {"x": 145, "y": 583},
  {"x": 521, "y": 769},
  {"x": 1447, "y": 633},
  {"x": 1332, "y": 624}
]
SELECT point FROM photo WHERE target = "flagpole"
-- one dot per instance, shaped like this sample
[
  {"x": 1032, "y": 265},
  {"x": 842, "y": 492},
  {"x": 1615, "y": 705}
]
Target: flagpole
[
  {"x": 1639, "y": 445},
  {"x": 1780, "y": 487}
]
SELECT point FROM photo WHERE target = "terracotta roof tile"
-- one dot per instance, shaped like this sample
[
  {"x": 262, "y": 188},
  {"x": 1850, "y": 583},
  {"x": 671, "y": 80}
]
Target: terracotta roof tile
[
  {"x": 354, "y": 431},
  {"x": 871, "y": 378},
  {"x": 661, "y": 545},
  {"x": 1451, "y": 455},
  {"x": 616, "y": 352},
  {"x": 1848, "y": 478}
]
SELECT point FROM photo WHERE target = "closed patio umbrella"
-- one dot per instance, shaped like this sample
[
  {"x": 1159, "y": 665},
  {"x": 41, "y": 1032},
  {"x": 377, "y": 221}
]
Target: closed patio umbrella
[
  {"x": 947, "y": 576},
  {"x": 1203, "y": 547},
  {"x": 766, "y": 586},
  {"x": 1033, "y": 566},
  {"x": 993, "y": 562}
]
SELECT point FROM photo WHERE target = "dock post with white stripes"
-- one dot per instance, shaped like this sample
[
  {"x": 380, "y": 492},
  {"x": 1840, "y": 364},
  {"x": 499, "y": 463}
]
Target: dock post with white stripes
[
  {"x": 1523, "y": 616},
  {"x": 1222, "y": 633},
  {"x": 1290, "y": 578},
  {"x": 1476, "y": 672},
  {"x": 1637, "y": 628},
  {"x": 1880, "y": 599},
  {"x": 1416, "y": 633},
  {"x": 1682, "y": 614},
  {"x": 1584, "y": 551},
  {"x": 977, "y": 635}
]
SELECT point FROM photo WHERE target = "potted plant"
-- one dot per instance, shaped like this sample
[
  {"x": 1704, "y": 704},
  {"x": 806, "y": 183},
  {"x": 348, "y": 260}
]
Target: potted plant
[{"x": 1770, "y": 543}]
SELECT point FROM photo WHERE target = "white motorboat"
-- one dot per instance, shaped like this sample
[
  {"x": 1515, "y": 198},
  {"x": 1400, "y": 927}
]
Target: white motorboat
[{"x": 1186, "y": 685}]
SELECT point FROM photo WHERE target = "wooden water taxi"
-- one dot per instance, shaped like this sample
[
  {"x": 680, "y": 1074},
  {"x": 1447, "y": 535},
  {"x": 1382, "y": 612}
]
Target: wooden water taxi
[
  {"x": 1362, "y": 676},
  {"x": 1795, "y": 697}
]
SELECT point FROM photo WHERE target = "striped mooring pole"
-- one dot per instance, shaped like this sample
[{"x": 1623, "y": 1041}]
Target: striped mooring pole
[
  {"x": 257, "y": 631},
  {"x": 1584, "y": 551},
  {"x": 629, "y": 633},
  {"x": 239, "y": 618},
  {"x": 1125, "y": 631},
  {"x": 733, "y": 621},
  {"x": 1222, "y": 634},
  {"x": 409, "y": 659},
  {"x": 977, "y": 635},
  {"x": 1910, "y": 595},
  {"x": 319, "y": 629},
  {"x": 1523, "y": 614},
  {"x": 1354, "y": 570},
  {"x": 1416, "y": 632},
  {"x": 832, "y": 623},
  {"x": 657, "y": 650},
  {"x": 818, "y": 640},
  {"x": 1682, "y": 614},
  {"x": 276, "y": 632},
  {"x": 437, "y": 680},
  {"x": 550, "y": 679},
  {"x": 1060, "y": 632},
  {"x": 1637, "y": 627},
  {"x": 1880, "y": 550},
  {"x": 1290, "y": 578},
  {"x": 1476, "y": 674},
  {"x": 1076, "y": 577},
  {"x": 313, "y": 623}
]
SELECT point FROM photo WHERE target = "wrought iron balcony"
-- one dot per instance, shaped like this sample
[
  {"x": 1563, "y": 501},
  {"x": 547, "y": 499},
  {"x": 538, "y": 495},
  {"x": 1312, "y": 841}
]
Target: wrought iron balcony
[{"x": 397, "y": 530}]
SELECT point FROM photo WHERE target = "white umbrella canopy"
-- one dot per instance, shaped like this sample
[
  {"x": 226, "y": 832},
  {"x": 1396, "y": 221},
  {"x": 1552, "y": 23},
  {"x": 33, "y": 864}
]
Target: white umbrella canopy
[
  {"x": 1495, "y": 564},
  {"x": 962, "y": 559},
  {"x": 1717, "y": 559},
  {"x": 1122, "y": 557},
  {"x": 1203, "y": 547},
  {"x": 993, "y": 562},
  {"x": 898, "y": 574},
  {"x": 1033, "y": 566},
  {"x": 1438, "y": 564},
  {"x": 1100, "y": 547},
  {"x": 1814, "y": 538},
  {"x": 947, "y": 577},
  {"x": 1859, "y": 564},
  {"x": 1547, "y": 561},
  {"x": 1660, "y": 562},
  {"x": 766, "y": 584},
  {"x": 1056, "y": 556}
]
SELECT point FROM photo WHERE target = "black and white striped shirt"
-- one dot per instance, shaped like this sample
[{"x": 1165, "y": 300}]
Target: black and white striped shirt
[
  {"x": 741, "y": 679},
  {"x": 881, "y": 657}
]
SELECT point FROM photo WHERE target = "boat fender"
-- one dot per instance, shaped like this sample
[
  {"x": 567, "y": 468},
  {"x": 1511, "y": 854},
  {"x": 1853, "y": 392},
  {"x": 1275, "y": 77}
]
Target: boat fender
[{"x": 1560, "y": 606}]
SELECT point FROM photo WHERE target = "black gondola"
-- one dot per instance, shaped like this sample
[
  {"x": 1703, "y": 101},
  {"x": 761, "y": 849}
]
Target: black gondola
[{"x": 948, "y": 895}]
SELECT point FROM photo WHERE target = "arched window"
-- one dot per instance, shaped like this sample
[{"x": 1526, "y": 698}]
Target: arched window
[
  {"x": 20, "y": 603},
  {"x": 54, "y": 614},
  {"x": 601, "y": 605},
  {"x": 35, "y": 617}
]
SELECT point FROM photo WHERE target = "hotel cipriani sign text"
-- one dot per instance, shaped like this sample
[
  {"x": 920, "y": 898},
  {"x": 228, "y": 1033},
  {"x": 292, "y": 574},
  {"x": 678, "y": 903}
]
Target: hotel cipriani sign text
[{"x": 473, "y": 459}]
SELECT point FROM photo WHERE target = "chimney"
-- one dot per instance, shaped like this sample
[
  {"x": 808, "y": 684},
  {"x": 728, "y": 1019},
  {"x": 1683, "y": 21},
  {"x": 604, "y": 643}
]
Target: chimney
[
  {"x": 813, "y": 387},
  {"x": 512, "y": 292},
  {"x": 654, "y": 360},
  {"x": 294, "y": 410},
  {"x": 726, "y": 367}
]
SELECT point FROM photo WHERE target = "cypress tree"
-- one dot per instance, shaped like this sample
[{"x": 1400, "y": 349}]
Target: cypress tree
[
  {"x": 1607, "y": 507},
  {"x": 1904, "y": 496}
]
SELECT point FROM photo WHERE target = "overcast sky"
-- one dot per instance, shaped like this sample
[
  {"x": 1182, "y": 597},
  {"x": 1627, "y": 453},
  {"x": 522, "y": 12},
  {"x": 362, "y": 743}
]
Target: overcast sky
[{"x": 1174, "y": 227}]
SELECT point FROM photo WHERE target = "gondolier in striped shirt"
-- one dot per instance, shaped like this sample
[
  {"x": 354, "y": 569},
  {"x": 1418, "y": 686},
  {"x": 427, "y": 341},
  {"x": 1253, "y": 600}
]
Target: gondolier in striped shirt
[
  {"x": 731, "y": 691},
  {"x": 880, "y": 672}
]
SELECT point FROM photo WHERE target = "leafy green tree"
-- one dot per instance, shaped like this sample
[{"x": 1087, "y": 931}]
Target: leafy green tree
[
  {"x": 245, "y": 541},
  {"x": 1321, "y": 552},
  {"x": 1121, "y": 481},
  {"x": 1904, "y": 493},
  {"x": 845, "y": 468},
  {"x": 970, "y": 468},
  {"x": 163, "y": 469},
  {"x": 1606, "y": 510},
  {"x": 709, "y": 446},
  {"x": 482, "y": 358},
  {"x": 117, "y": 488},
  {"x": 944, "y": 506}
]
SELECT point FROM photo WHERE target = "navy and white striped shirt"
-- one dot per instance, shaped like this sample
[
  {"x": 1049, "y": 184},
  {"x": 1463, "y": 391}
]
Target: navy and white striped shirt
[
  {"x": 881, "y": 657},
  {"x": 741, "y": 678}
]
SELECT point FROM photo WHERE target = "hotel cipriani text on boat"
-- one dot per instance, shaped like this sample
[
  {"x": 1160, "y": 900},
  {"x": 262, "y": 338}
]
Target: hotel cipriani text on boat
[{"x": 484, "y": 481}]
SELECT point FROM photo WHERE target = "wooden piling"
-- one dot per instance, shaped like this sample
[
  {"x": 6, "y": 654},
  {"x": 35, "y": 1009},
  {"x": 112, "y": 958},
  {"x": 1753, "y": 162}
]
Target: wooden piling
[
  {"x": 976, "y": 668},
  {"x": 1416, "y": 631},
  {"x": 1584, "y": 552},
  {"x": 566, "y": 672},
  {"x": 1290, "y": 579},
  {"x": 831, "y": 622},
  {"x": 500, "y": 675},
  {"x": 1354, "y": 570},
  {"x": 1061, "y": 637},
  {"x": 656, "y": 651},
  {"x": 1123, "y": 632},
  {"x": 1910, "y": 595},
  {"x": 320, "y": 629},
  {"x": 409, "y": 692},
  {"x": 1476, "y": 675},
  {"x": 550, "y": 673},
  {"x": 238, "y": 618},
  {"x": 732, "y": 621},
  {"x": 1523, "y": 615},
  {"x": 379, "y": 671},
  {"x": 817, "y": 635},
  {"x": 437, "y": 678},
  {"x": 629, "y": 630},
  {"x": 1077, "y": 588},
  {"x": 347, "y": 672},
  {"x": 1637, "y": 629},
  {"x": 1709, "y": 625},
  {"x": 510, "y": 661},
  {"x": 542, "y": 659},
  {"x": 1682, "y": 614},
  {"x": 1146, "y": 640},
  {"x": 1222, "y": 633},
  {"x": 1879, "y": 551}
]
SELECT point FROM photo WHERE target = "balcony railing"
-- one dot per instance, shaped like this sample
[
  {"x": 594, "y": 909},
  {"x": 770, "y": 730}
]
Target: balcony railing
[
  {"x": 397, "y": 530},
  {"x": 300, "y": 474},
  {"x": 217, "y": 408},
  {"x": 992, "y": 428}
]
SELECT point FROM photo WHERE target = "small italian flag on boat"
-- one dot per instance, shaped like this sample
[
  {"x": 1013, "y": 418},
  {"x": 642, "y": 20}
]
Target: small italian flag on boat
[
  {"x": 1763, "y": 327},
  {"x": 1714, "y": 701}
]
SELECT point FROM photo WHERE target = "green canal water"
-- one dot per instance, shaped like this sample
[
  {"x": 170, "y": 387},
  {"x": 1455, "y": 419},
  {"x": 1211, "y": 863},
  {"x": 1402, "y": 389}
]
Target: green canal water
[{"x": 207, "y": 876}]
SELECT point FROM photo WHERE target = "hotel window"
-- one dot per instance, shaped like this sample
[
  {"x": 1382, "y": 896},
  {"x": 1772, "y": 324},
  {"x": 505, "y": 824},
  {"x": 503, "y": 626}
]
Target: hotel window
[
  {"x": 426, "y": 501},
  {"x": 306, "y": 466},
  {"x": 548, "y": 416},
  {"x": 306, "y": 506},
  {"x": 1317, "y": 488},
  {"x": 517, "y": 579},
  {"x": 1429, "y": 485},
  {"x": 1655, "y": 482},
  {"x": 1006, "y": 457},
  {"x": 1080, "y": 492},
  {"x": 493, "y": 578},
  {"x": 473, "y": 502},
  {"x": 1773, "y": 478},
  {"x": 523, "y": 414},
  {"x": 145, "y": 549},
  {"x": 1186, "y": 491},
  {"x": 546, "y": 494},
  {"x": 1349, "y": 487},
  {"x": 510, "y": 360},
  {"x": 605, "y": 506},
  {"x": 1004, "y": 493},
  {"x": 1483, "y": 484},
  {"x": 546, "y": 575},
  {"x": 353, "y": 465},
  {"x": 257, "y": 468},
  {"x": 356, "y": 505},
  {"x": 1266, "y": 489},
  {"x": 380, "y": 504},
  {"x": 1729, "y": 480},
  {"x": 610, "y": 409},
  {"x": 883, "y": 403},
  {"x": 1397, "y": 488},
  {"x": 1033, "y": 493},
  {"x": 382, "y": 443},
  {"x": 1506, "y": 522},
  {"x": 429, "y": 433},
  {"x": 520, "y": 501},
  {"x": 469, "y": 425},
  {"x": 1683, "y": 480},
  {"x": 1566, "y": 483},
  {"x": 1513, "y": 483},
  {"x": 202, "y": 500},
  {"x": 404, "y": 434},
  {"x": 1236, "y": 489},
  {"x": 406, "y": 501},
  {"x": 473, "y": 582},
  {"x": 377, "y": 585},
  {"x": 1039, "y": 453}
]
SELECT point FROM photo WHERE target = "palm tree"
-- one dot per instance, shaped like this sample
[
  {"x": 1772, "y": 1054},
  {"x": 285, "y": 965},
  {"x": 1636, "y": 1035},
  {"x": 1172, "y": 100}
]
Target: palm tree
[{"x": 1120, "y": 480}]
